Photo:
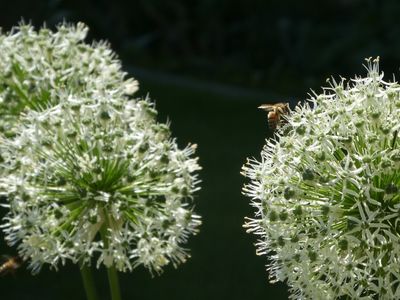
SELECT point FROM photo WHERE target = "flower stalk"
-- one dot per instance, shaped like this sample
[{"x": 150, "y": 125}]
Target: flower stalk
[
  {"x": 88, "y": 283},
  {"x": 111, "y": 271},
  {"x": 114, "y": 283}
]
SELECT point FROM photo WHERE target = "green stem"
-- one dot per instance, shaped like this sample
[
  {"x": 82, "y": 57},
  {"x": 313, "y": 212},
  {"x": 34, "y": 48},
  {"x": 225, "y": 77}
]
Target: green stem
[
  {"x": 88, "y": 283},
  {"x": 114, "y": 283},
  {"x": 111, "y": 271}
]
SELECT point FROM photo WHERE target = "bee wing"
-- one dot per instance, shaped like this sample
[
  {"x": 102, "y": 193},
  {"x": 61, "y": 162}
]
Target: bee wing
[{"x": 267, "y": 107}]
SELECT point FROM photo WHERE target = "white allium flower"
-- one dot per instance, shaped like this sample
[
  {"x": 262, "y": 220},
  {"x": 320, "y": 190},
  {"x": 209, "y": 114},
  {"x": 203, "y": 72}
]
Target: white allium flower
[
  {"x": 36, "y": 65},
  {"x": 326, "y": 193},
  {"x": 98, "y": 176},
  {"x": 86, "y": 158}
]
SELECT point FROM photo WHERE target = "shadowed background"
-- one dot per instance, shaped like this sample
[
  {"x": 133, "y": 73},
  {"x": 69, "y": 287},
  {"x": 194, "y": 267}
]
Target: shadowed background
[{"x": 208, "y": 65}]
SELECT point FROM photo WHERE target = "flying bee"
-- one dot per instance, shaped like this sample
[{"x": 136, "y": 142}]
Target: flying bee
[
  {"x": 10, "y": 265},
  {"x": 275, "y": 113}
]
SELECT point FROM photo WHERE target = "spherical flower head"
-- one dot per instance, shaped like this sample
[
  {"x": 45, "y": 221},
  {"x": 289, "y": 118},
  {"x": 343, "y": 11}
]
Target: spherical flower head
[
  {"x": 35, "y": 66},
  {"x": 98, "y": 178},
  {"x": 326, "y": 193}
]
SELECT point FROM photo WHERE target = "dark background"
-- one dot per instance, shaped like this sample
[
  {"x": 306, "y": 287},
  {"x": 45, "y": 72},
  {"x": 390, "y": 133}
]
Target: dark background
[{"x": 208, "y": 65}]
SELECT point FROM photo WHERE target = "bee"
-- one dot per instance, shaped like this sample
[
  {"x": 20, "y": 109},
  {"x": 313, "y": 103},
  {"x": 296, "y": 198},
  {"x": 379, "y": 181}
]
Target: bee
[
  {"x": 10, "y": 265},
  {"x": 275, "y": 113}
]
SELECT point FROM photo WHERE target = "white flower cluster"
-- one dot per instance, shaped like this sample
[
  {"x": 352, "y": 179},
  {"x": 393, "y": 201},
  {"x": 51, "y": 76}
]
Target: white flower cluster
[
  {"x": 327, "y": 193},
  {"x": 36, "y": 65},
  {"x": 91, "y": 174}
]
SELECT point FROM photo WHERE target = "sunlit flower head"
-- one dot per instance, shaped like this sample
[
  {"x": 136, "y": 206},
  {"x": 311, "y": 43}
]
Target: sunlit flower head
[
  {"x": 98, "y": 178},
  {"x": 326, "y": 193},
  {"x": 36, "y": 65}
]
